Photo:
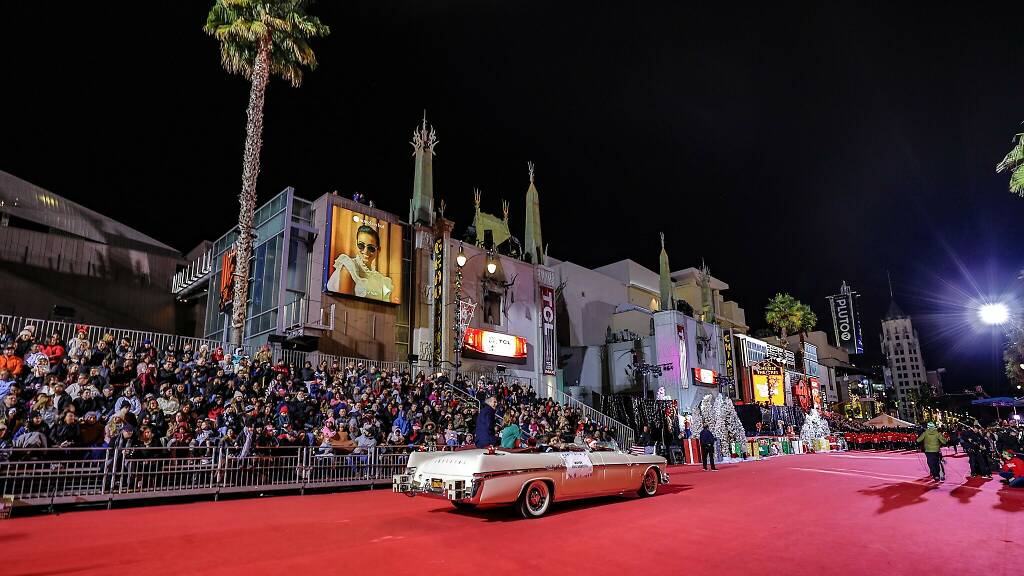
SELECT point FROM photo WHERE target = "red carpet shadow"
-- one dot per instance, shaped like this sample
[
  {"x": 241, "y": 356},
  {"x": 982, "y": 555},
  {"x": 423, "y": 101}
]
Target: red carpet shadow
[
  {"x": 896, "y": 496},
  {"x": 1010, "y": 499},
  {"x": 969, "y": 489}
]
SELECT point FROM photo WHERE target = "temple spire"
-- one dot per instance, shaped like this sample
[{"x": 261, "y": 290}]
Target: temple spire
[
  {"x": 668, "y": 302},
  {"x": 421, "y": 208},
  {"x": 533, "y": 242}
]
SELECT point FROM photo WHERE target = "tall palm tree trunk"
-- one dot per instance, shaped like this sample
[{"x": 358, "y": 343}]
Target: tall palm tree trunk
[{"x": 247, "y": 198}]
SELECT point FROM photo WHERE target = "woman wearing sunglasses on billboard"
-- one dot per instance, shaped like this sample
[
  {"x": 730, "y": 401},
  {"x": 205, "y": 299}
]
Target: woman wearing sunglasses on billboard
[{"x": 358, "y": 275}]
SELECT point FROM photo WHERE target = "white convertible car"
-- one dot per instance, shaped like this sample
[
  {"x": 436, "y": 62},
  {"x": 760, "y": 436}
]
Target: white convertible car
[{"x": 529, "y": 478}]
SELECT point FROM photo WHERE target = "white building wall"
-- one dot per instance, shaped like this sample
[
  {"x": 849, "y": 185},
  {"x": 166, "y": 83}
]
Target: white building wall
[{"x": 590, "y": 299}]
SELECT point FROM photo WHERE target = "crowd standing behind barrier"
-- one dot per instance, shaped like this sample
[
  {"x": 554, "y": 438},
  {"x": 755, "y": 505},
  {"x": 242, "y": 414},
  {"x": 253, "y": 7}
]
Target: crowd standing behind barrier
[{"x": 128, "y": 417}]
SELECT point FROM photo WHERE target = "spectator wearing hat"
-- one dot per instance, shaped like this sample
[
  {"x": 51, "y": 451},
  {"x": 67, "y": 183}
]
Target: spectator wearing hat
[
  {"x": 23, "y": 343},
  {"x": 34, "y": 433}
]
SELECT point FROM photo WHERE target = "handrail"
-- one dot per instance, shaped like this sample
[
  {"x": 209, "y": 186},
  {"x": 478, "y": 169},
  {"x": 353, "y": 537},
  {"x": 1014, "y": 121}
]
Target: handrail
[
  {"x": 624, "y": 435},
  {"x": 462, "y": 394}
]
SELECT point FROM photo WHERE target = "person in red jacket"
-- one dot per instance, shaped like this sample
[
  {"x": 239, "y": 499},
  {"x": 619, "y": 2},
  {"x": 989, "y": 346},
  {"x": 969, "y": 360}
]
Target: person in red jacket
[
  {"x": 1013, "y": 470},
  {"x": 53, "y": 349}
]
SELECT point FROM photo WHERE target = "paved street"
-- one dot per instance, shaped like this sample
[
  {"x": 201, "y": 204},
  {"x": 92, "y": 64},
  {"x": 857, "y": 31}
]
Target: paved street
[{"x": 848, "y": 513}]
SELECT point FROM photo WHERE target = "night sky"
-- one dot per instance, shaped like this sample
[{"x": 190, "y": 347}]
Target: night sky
[{"x": 789, "y": 146}]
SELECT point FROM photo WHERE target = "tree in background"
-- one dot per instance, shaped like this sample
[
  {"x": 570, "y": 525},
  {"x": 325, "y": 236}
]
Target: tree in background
[
  {"x": 259, "y": 39},
  {"x": 783, "y": 313},
  {"x": 1014, "y": 164}
]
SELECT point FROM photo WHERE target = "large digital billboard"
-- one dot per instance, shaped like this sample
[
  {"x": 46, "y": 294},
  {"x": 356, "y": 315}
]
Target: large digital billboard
[
  {"x": 769, "y": 381},
  {"x": 494, "y": 346},
  {"x": 363, "y": 256}
]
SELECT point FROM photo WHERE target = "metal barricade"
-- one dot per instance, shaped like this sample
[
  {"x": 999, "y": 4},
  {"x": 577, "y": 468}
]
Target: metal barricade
[{"x": 63, "y": 476}]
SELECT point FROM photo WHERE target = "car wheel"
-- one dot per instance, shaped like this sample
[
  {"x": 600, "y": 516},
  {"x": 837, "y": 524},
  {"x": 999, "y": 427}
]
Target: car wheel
[
  {"x": 650, "y": 484},
  {"x": 535, "y": 500},
  {"x": 463, "y": 505}
]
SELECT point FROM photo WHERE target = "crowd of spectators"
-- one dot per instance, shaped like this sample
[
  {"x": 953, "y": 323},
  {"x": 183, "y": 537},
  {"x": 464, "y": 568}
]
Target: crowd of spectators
[{"x": 83, "y": 397}]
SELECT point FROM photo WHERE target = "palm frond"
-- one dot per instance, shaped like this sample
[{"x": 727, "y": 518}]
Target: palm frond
[
  {"x": 1014, "y": 163},
  {"x": 243, "y": 27}
]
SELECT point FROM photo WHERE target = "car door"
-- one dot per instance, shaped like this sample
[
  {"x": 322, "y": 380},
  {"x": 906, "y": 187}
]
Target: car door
[
  {"x": 619, "y": 471},
  {"x": 582, "y": 474}
]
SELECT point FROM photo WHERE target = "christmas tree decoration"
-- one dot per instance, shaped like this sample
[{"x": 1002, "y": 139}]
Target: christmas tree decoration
[
  {"x": 703, "y": 416},
  {"x": 815, "y": 427},
  {"x": 727, "y": 427}
]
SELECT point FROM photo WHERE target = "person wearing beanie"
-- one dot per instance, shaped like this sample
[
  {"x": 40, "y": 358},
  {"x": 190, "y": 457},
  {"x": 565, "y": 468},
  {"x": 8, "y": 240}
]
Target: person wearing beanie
[{"x": 932, "y": 441}]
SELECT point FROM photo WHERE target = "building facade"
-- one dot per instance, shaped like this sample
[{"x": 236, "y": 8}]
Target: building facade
[
  {"x": 343, "y": 277},
  {"x": 62, "y": 261},
  {"x": 902, "y": 350}
]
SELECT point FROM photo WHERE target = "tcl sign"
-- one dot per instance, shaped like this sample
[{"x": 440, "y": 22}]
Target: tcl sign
[
  {"x": 705, "y": 377},
  {"x": 547, "y": 318},
  {"x": 495, "y": 343}
]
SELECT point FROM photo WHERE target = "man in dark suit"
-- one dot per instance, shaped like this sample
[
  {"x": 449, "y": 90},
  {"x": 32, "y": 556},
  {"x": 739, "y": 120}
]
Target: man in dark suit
[{"x": 485, "y": 424}]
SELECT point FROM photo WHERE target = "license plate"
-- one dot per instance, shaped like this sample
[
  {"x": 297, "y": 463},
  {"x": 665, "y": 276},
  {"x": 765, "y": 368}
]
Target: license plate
[{"x": 436, "y": 483}]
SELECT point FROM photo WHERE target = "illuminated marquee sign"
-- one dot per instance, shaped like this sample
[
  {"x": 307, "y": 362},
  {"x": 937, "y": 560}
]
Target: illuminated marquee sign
[
  {"x": 727, "y": 346},
  {"x": 846, "y": 320},
  {"x": 494, "y": 346},
  {"x": 547, "y": 315},
  {"x": 705, "y": 377},
  {"x": 438, "y": 288},
  {"x": 768, "y": 379}
]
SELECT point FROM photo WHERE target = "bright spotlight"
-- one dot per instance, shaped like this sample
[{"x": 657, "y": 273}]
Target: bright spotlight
[{"x": 994, "y": 313}]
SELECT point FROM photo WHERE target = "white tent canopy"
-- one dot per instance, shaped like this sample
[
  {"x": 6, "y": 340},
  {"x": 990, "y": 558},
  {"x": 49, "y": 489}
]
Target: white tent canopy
[{"x": 886, "y": 421}]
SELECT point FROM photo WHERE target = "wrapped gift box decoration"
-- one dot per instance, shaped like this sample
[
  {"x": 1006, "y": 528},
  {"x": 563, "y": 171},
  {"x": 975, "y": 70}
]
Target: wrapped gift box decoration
[{"x": 691, "y": 451}]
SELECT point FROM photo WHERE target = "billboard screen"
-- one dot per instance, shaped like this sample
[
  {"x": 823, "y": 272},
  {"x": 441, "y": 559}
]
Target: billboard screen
[
  {"x": 363, "y": 256},
  {"x": 769, "y": 383},
  {"x": 494, "y": 346}
]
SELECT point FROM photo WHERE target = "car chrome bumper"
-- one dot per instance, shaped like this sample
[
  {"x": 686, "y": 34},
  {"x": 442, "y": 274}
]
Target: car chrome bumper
[{"x": 454, "y": 490}]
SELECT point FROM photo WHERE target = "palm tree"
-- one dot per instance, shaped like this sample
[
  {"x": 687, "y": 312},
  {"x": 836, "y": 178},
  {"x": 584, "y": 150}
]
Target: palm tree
[
  {"x": 783, "y": 313},
  {"x": 1014, "y": 164},
  {"x": 259, "y": 38}
]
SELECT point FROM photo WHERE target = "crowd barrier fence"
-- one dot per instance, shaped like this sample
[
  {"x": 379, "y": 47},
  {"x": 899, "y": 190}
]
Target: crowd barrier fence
[{"x": 46, "y": 477}]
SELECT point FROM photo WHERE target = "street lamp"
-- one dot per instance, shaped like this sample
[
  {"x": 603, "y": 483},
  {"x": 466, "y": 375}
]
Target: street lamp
[
  {"x": 461, "y": 260},
  {"x": 994, "y": 314}
]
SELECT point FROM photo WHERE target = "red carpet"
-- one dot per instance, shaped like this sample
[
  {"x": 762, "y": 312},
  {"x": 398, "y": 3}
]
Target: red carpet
[{"x": 852, "y": 513}]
